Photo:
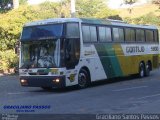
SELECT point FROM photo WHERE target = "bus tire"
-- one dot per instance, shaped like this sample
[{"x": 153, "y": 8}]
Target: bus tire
[
  {"x": 141, "y": 70},
  {"x": 147, "y": 71},
  {"x": 83, "y": 79}
]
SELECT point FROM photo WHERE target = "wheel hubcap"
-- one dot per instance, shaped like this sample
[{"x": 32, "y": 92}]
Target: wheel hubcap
[
  {"x": 82, "y": 79},
  {"x": 142, "y": 72}
]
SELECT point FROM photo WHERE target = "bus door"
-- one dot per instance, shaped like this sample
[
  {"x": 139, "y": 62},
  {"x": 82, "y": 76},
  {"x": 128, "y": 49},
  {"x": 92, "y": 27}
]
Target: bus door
[{"x": 72, "y": 55}]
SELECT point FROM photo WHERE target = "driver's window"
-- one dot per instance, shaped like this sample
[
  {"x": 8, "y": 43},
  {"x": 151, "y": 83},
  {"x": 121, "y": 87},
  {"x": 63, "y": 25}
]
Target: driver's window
[{"x": 72, "y": 52}]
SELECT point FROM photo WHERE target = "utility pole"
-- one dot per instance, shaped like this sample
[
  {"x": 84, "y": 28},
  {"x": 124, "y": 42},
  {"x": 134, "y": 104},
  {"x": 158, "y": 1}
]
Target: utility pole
[
  {"x": 15, "y": 4},
  {"x": 73, "y": 9}
]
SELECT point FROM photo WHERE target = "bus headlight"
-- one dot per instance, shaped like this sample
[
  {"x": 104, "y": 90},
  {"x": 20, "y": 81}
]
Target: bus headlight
[
  {"x": 56, "y": 80},
  {"x": 23, "y": 82}
]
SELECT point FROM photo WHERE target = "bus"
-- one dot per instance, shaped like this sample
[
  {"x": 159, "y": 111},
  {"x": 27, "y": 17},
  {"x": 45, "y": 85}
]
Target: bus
[{"x": 62, "y": 52}]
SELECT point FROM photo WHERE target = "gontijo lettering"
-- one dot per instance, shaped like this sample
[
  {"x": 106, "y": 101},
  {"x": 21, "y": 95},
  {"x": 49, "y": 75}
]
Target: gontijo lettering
[{"x": 135, "y": 49}]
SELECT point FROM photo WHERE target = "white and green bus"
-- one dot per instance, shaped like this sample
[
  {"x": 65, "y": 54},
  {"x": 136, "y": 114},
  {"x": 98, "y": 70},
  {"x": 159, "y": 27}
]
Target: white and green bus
[{"x": 64, "y": 52}]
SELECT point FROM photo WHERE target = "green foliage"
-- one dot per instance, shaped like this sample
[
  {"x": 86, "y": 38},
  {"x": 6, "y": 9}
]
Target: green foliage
[
  {"x": 149, "y": 18},
  {"x": 22, "y": 2},
  {"x": 11, "y": 27},
  {"x": 13, "y": 21},
  {"x": 93, "y": 8},
  {"x": 4, "y": 5},
  {"x": 8, "y": 59}
]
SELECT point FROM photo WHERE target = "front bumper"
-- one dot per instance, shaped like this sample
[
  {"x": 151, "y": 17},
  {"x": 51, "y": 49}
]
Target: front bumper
[{"x": 43, "y": 81}]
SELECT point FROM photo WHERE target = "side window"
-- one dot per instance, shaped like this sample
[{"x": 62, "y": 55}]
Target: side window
[
  {"x": 102, "y": 34},
  {"x": 155, "y": 36},
  {"x": 105, "y": 34},
  {"x": 140, "y": 35},
  {"x": 86, "y": 33},
  {"x": 133, "y": 37},
  {"x": 118, "y": 34},
  {"x": 108, "y": 34},
  {"x": 121, "y": 34},
  {"x": 72, "y": 30},
  {"x": 93, "y": 33},
  {"x": 129, "y": 35},
  {"x": 89, "y": 33},
  {"x": 149, "y": 36},
  {"x": 72, "y": 52},
  {"x": 115, "y": 34}
]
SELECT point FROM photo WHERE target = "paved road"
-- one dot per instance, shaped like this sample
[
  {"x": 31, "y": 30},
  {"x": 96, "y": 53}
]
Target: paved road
[{"x": 127, "y": 95}]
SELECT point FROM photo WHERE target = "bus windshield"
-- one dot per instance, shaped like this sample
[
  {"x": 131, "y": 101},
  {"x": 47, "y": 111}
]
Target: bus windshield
[
  {"x": 42, "y": 32},
  {"x": 40, "y": 54}
]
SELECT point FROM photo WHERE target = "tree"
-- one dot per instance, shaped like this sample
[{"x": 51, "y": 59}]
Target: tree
[
  {"x": 157, "y": 2},
  {"x": 6, "y": 4},
  {"x": 129, "y": 2},
  {"x": 22, "y": 2},
  {"x": 93, "y": 8}
]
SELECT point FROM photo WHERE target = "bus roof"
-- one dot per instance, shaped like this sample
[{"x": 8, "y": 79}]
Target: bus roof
[{"x": 89, "y": 21}]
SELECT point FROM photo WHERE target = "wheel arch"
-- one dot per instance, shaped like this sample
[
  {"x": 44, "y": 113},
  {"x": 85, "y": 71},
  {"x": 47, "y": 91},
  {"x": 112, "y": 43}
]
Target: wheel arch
[
  {"x": 142, "y": 62},
  {"x": 88, "y": 71},
  {"x": 150, "y": 64}
]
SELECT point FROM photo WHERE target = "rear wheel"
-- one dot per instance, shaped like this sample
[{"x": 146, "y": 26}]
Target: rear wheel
[
  {"x": 141, "y": 70},
  {"x": 147, "y": 72},
  {"x": 83, "y": 79}
]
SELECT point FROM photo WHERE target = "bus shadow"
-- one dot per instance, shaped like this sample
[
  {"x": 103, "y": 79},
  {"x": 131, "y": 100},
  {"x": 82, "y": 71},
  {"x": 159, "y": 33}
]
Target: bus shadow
[
  {"x": 94, "y": 84},
  {"x": 114, "y": 80}
]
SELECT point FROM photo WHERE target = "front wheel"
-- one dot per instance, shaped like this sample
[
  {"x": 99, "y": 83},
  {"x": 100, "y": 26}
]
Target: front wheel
[{"x": 83, "y": 79}]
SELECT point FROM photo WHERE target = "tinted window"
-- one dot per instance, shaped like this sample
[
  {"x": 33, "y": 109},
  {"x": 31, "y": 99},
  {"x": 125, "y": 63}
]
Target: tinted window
[
  {"x": 89, "y": 33},
  {"x": 133, "y": 38},
  {"x": 129, "y": 35},
  {"x": 42, "y": 32},
  {"x": 105, "y": 34},
  {"x": 155, "y": 36},
  {"x": 115, "y": 34},
  {"x": 140, "y": 35},
  {"x": 121, "y": 34},
  {"x": 108, "y": 34},
  {"x": 93, "y": 33},
  {"x": 86, "y": 33},
  {"x": 149, "y": 36},
  {"x": 102, "y": 34},
  {"x": 72, "y": 30},
  {"x": 118, "y": 34}
]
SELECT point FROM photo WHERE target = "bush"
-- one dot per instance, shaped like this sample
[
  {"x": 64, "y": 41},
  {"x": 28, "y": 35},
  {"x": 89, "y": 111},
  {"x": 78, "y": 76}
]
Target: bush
[
  {"x": 8, "y": 59},
  {"x": 13, "y": 21}
]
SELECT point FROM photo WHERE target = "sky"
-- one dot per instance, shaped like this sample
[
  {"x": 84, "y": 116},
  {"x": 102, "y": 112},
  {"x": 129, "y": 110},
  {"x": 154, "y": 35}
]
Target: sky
[{"x": 114, "y": 4}]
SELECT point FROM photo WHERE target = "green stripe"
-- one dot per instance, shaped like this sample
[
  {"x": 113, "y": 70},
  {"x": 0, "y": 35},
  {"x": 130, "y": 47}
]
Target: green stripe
[{"x": 109, "y": 60}]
